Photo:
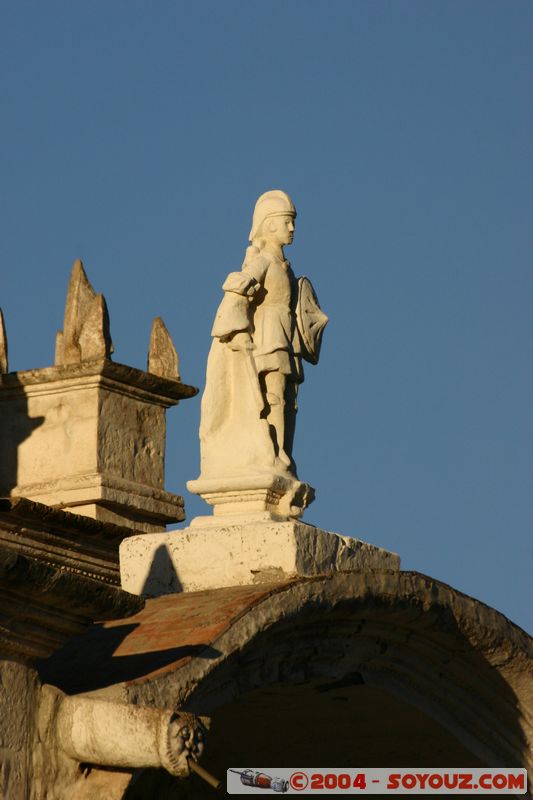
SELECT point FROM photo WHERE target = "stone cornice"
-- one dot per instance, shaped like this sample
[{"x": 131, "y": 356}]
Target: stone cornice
[
  {"x": 58, "y": 573},
  {"x": 20, "y": 510},
  {"x": 165, "y": 391}
]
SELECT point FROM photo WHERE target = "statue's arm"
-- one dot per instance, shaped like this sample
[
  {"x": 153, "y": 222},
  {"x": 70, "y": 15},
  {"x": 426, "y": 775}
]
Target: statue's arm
[
  {"x": 233, "y": 320},
  {"x": 255, "y": 265},
  {"x": 234, "y": 314}
]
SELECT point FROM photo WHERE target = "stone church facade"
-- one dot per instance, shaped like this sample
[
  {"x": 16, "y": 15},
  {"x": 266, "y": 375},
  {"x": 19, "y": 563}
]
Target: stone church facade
[{"x": 138, "y": 664}]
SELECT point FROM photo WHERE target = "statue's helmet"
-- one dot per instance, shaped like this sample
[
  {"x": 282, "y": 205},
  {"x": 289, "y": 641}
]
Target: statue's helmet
[{"x": 274, "y": 203}]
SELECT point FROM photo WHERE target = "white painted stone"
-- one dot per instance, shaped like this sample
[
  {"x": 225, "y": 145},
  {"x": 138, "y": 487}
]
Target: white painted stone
[{"x": 209, "y": 555}]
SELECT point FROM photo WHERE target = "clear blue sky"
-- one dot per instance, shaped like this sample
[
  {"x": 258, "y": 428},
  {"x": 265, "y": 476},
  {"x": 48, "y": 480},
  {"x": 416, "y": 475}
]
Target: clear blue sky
[{"x": 137, "y": 136}]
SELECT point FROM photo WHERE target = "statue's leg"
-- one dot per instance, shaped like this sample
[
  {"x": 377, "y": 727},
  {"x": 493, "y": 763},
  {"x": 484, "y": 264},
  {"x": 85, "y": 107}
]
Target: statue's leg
[
  {"x": 291, "y": 394},
  {"x": 275, "y": 383}
]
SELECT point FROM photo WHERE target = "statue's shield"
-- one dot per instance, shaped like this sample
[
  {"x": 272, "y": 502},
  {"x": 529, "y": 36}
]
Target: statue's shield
[{"x": 311, "y": 320}]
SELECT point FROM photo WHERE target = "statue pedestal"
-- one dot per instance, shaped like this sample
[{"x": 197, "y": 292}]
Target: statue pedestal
[
  {"x": 238, "y": 552},
  {"x": 279, "y": 495}
]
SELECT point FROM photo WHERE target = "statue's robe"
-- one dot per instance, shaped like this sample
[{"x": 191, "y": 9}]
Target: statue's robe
[{"x": 235, "y": 438}]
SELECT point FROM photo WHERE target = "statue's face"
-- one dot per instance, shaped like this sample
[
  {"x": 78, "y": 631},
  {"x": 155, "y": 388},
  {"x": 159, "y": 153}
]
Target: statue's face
[{"x": 280, "y": 229}]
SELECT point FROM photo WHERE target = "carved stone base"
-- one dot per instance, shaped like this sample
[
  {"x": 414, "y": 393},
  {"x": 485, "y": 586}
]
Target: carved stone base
[
  {"x": 280, "y": 496},
  {"x": 239, "y": 553}
]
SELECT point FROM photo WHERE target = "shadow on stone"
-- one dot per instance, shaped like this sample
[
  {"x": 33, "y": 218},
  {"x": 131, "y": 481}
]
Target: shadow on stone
[
  {"x": 89, "y": 661},
  {"x": 16, "y": 426},
  {"x": 162, "y": 577}
]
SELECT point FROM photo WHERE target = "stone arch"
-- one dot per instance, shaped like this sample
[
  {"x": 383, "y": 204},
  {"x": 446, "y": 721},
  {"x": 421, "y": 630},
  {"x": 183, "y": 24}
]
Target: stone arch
[{"x": 444, "y": 662}]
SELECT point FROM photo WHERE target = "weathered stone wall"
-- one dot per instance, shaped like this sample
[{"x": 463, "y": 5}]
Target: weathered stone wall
[
  {"x": 19, "y": 697},
  {"x": 131, "y": 437}
]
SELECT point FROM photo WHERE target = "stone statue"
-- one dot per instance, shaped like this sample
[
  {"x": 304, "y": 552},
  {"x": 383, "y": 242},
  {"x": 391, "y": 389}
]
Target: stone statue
[{"x": 266, "y": 324}]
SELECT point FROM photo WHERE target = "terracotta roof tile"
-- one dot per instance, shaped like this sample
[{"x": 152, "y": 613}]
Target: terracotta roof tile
[{"x": 167, "y": 633}]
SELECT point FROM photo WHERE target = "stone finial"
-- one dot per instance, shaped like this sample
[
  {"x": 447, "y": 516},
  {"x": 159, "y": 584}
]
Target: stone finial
[
  {"x": 85, "y": 333},
  {"x": 95, "y": 339},
  {"x": 162, "y": 355},
  {"x": 3, "y": 345},
  {"x": 88, "y": 434}
]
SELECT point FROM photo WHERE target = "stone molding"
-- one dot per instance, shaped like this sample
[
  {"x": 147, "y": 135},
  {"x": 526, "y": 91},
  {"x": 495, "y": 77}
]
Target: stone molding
[
  {"x": 274, "y": 495},
  {"x": 58, "y": 573},
  {"x": 111, "y": 492},
  {"x": 94, "y": 557}
]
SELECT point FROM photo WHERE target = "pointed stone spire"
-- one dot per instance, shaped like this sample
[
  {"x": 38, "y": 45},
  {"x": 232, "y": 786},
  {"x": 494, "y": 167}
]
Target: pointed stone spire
[
  {"x": 95, "y": 340},
  {"x": 85, "y": 332},
  {"x": 162, "y": 356},
  {"x": 4, "y": 366},
  {"x": 80, "y": 295}
]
